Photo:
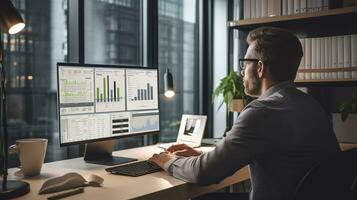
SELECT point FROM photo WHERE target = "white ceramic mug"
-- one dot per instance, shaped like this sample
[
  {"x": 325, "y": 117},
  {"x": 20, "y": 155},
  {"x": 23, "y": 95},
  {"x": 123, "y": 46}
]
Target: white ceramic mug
[{"x": 31, "y": 153}]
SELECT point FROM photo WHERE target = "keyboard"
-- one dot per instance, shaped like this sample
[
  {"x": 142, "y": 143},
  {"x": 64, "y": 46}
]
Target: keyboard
[{"x": 135, "y": 169}]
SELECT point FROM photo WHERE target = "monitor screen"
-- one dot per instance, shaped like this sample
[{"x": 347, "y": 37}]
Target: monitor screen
[{"x": 102, "y": 102}]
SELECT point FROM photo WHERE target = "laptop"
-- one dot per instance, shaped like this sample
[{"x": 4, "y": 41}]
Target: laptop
[{"x": 191, "y": 131}]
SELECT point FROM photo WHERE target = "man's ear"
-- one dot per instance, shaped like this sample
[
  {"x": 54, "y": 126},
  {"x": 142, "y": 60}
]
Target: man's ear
[{"x": 261, "y": 69}]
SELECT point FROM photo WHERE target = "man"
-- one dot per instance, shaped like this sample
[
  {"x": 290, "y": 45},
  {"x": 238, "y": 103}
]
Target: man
[{"x": 281, "y": 134}]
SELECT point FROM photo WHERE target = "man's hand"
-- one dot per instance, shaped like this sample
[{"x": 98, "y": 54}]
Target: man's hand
[
  {"x": 183, "y": 150},
  {"x": 172, "y": 152},
  {"x": 162, "y": 158}
]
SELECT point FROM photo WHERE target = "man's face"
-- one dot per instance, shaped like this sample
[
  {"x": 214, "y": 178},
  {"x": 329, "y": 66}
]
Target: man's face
[{"x": 251, "y": 81}]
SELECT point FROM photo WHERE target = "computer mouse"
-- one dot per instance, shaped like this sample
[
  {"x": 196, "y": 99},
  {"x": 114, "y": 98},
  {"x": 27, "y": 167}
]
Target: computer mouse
[
  {"x": 95, "y": 181},
  {"x": 65, "y": 182}
]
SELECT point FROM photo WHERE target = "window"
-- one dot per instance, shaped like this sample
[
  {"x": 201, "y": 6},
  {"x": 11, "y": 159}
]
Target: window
[
  {"x": 113, "y": 32},
  {"x": 178, "y": 49},
  {"x": 30, "y": 64},
  {"x": 112, "y": 35}
]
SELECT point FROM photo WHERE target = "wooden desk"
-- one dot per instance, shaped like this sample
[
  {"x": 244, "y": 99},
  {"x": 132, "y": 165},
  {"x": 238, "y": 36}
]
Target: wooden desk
[{"x": 157, "y": 185}]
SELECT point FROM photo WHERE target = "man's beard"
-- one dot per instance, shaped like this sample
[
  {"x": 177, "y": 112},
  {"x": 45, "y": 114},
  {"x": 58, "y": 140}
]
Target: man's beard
[{"x": 252, "y": 85}]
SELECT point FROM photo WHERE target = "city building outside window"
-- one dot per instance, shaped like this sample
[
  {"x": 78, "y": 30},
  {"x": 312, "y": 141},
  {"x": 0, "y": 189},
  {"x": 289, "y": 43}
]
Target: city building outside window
[
  {"x": 178, "y": 51},
  {"x": 30, "y": 63}
]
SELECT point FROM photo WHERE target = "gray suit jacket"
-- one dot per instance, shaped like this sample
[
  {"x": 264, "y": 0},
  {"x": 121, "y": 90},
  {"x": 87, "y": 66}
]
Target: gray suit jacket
[{"x": 280, "y": 135}]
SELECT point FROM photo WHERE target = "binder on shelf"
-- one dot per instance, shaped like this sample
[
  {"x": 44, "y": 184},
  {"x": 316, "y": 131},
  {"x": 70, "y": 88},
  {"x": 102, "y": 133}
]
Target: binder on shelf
[
  {"x": 322, "y": 57},
  {"x": 340, "y": 52},
  {"x": 334, "y": 56},
  {"x": 274, "y": 8},
  {"x": 246, "y": 10},
  {"x": 258, "y": 9},
  {"x": 303, "y": 6},
  {"x": 313, "y": 57},
  {"x": 347, "y": 56},
  {"x": 309, "y": 5},
  {"x": 252, "y": 9},
  {"x": 318, "y": 57},
  {"x": 307, "y": 57},
  {"x": 264, "y": 8},
  {"x": 312, "y": 5},
  {"x": 326, "y": 57},
  {"x": 330, "y": 64},
  {"x": 284, "y": 9},
  {"x": 354, "y": 54},
  {"x": 290, "y": 7},
  {"x": 296, "y": 6},
  {"x": 318, "y": 5}
]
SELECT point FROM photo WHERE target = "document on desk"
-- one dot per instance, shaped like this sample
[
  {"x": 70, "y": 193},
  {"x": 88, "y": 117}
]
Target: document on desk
[{"x": 65, "y": 193}]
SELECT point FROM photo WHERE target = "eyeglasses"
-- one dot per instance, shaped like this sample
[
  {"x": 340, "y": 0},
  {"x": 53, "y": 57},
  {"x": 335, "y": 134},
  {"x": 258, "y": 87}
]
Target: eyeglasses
[{"x": 243, "y": 63}]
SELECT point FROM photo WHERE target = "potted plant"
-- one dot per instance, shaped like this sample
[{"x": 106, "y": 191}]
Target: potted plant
[
  {"x": 349, "y": 107},
  {"x": 232, "y": 89},
  {"x": 344, "y": 123}
]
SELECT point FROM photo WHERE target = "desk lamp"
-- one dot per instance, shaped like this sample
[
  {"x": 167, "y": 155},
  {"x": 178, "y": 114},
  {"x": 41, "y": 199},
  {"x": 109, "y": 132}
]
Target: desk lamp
[
  {"x": 168, "y": 84},
  {"x": 11, "y": 23}
]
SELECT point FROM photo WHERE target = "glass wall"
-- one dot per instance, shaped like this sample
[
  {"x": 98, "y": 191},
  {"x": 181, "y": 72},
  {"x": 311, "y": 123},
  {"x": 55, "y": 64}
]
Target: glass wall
[
  {"x": 178, "y": 51},
  {"x": 113, "y": 35},
  {"x": 113, "y": 31},
  {"x": 30, "y": 62}
]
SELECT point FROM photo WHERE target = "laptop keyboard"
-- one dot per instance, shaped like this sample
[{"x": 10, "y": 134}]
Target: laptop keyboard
[{"x": 135, "y": 169}]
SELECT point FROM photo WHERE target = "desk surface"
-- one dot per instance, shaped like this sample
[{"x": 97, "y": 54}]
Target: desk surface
[{"x": 157, "y": 185}]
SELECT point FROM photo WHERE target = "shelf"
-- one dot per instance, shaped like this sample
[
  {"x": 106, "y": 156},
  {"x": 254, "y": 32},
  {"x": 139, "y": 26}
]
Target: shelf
[
  {"x": 342, "y": 14},
  {"x": 330, "y": 82},
  {"x": 326, "y": 82},
  {"x": 344, "y": 69}
]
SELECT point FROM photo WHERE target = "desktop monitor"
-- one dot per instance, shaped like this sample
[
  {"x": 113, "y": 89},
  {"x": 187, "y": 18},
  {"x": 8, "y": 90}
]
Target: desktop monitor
[{"x": 100, "y": 102}]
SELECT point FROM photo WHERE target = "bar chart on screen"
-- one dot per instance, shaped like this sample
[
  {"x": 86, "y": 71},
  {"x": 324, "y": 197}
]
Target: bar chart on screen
[
  {"x": 109, "y": 89},
  {"x": 141, "y": 89}
]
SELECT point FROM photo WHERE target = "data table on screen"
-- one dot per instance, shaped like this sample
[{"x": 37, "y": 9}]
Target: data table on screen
[{"x": 76, "y": 90}]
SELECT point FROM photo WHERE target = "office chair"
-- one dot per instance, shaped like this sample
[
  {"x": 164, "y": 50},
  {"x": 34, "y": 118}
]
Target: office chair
[{"x": 334, "y": 178}]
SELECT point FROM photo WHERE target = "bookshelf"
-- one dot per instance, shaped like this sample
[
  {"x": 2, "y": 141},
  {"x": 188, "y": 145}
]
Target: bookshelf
[
  {"x": 329, "y": 91},
  {"x": 324, "y": 23},
  {"x": 330, "y": 16},
  {"x": 326, "y": 83}
]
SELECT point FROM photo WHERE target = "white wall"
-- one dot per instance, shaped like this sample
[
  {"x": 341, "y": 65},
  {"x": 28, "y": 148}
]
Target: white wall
[{"x": 219, "y": 62}]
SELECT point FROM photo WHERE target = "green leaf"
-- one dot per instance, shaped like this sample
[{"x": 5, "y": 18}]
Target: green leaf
[
  {"x": 230, "y": 87},
  {"x": 348, "y": 107}
]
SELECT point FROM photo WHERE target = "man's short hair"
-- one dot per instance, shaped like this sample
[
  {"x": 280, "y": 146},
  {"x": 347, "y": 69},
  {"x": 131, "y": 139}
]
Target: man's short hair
[{"x": 279, "y": 49}]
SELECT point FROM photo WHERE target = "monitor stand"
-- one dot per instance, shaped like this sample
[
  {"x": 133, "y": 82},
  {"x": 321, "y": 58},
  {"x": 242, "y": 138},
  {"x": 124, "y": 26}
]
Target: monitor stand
[{"x": 101, "y": 153}]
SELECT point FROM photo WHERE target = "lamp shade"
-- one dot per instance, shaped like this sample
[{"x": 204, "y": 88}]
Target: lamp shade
[
  {"x": 168, "y": 84},
  {"x": 10, "y": 19}
]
